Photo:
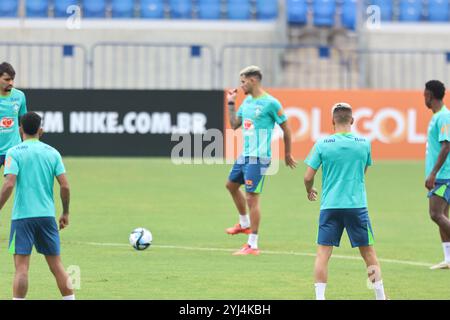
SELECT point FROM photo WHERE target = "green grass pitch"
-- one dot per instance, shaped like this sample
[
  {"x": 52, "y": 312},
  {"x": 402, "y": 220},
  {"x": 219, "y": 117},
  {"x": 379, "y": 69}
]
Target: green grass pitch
[{"x": 187, "y": 208}]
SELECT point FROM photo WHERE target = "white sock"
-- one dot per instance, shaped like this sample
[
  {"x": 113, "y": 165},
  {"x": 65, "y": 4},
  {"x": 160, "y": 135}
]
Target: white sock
[
  {"x": 71, "y": 297},
  {"x": 253, "y": 241},
  {"x": 19, "y": 299},
  {"x": 379, "y": 290},
  {"x": 320, "y": 290},
  {"x": 446, "y": 246},
  {"x": 244, "y": 221}
]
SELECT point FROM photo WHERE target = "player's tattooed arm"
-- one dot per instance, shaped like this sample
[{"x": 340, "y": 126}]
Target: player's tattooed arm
[
  {"x": 235, "y": 121},
  {"x": 65, "y": 199},
  {"x": 442, "y": 157}
]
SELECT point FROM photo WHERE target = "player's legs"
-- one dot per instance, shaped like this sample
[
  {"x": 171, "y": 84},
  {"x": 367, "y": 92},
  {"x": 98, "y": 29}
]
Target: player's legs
[
  {"x": 61, "y": 276},
  {"x": 20, "y": 284},
  {"x": 321, "y": 270},
  {"x": 437, "y": 208},
  {"x": 235, "y": 180},
  {"x": 255, "y": 211},
  {"x": 444, "y": 237},
  {"x": 373, "y": 270},
  {"x": 237, "y": 195}
]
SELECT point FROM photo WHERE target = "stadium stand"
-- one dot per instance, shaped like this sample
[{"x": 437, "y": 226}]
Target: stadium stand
[
  {"x": 60, "y": 7},
  {"x": 209, "y": 9},
  {"x": 9, "y": 8},
  {"x": 94, "y": 8},
  {"x": 319, "y": 13},
  {"x": 267, "y": 9},
  {"x": 324, "y": 12},
  {"x": 37, "y": 8},
  {"x": 410, "y": 10},
  {"x": 122, "y": 8},
  {"x": 180, "y": 9},
  {"x": 238, "y": 9},
  {"x": 349, "y": 9},
  {"x": 297, "y": 12},
  {"x": 152, "y": 9},
  {"x": 438, "y": 10}
]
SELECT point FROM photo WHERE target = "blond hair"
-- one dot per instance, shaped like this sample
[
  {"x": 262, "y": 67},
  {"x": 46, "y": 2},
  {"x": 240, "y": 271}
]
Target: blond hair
[{"x": 251, "y": 71}]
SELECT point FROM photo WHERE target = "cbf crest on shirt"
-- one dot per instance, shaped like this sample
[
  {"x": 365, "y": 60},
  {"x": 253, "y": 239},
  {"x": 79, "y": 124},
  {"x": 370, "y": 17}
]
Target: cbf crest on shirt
[
  {"x": 12, "y": 107},
  {"x": 259, "y": 116}
]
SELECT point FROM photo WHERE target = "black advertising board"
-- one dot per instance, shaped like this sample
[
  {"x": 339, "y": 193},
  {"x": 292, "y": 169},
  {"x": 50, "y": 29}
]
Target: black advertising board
[{"x": 123, "y": 123}]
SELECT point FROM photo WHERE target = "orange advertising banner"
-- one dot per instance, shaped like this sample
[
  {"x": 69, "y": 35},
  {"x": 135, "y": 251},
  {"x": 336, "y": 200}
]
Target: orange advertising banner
[{"x": 395, "y": 121}]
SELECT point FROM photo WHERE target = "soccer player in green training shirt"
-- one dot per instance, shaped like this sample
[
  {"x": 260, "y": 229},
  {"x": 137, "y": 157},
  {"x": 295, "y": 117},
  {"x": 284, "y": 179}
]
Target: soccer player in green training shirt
[
  {"x": 437, "y": 164},
  {"x": 33, "y": 166},
  {"x": 12, "y": 106},
  {"x": 257, "y": 115},
  {"x": 344, "y": 158}
]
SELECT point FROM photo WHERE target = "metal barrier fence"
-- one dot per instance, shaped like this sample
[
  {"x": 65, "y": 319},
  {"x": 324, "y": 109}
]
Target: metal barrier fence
[
  {"x": 41, "y": 65},
  {"x": 152, "y": 65},
  {"x": 290, "y": 66},
  {"x": 186, "y": 66}
]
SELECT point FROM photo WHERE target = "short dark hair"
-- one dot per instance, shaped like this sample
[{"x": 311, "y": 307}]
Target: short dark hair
[
  {"x": 342, "y": 113},
  {"x": 437, "y": 88},
  {"x": 5, "y": 67},
  {"x": 31, "y": 122}
]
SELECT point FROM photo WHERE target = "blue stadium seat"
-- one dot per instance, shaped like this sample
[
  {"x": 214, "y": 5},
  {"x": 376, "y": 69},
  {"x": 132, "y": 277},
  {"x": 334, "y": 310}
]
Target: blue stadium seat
[
  {"x": 266, "y": 9},
  {"x": 349, "y": 8},
  {"x": 152, "y": 9},
  {"x": 61, "y": 7},
  {"x": 323, "y": 11},
  {"x": 122, "y": 8},
  {"x": 37, "y": 8},
  {"x": 94, "y": 8},
  {"x": 410, "y": 10},
  {"x": 181, "y": 9},
  {"x": 9, "y": 8},
  {"x": 438, "y": 10},
  {"x": 297, "y": 12},
  {"x": 238, "y": 9},
  {"x": 209, "y": 9},
  {"x": 386, "y": 9}
]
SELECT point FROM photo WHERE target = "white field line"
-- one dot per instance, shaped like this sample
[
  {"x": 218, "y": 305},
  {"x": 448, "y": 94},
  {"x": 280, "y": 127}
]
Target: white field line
[{"x": 288, "y": 253}]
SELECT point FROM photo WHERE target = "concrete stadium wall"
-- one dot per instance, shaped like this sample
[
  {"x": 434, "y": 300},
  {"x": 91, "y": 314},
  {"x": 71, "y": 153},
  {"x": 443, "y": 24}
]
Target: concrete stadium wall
[
  {"x": 423, "y": 54},
  {"x": 129, "y": 68}
]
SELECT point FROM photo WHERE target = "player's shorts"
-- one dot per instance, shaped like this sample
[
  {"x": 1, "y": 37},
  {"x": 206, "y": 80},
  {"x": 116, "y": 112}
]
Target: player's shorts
[
  {"x": 251, "y": 172},
  {"x": 2, "y": 160},
  {"x": 41, "y": 232},
  {"x": 356, "y": 221},
  {"x": 441, "y": 189}
]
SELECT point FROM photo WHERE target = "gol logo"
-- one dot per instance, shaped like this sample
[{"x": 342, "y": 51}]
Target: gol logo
[
  {"x": 6, "y": 123},
  {"x": 248, "y": 124}
]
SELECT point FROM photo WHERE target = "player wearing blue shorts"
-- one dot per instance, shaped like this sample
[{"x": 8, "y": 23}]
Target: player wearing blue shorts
[
  {"x": 12, "y": 106},
  {"x": 32, "y": 167},
  {"x": 437, "y": 164},
  {"x": 344, "y": 158},
  {"x": 257, "y": 115}
]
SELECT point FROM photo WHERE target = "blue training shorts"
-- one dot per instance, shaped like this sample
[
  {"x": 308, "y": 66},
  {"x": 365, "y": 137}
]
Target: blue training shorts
[
  {"x": 2, "y": 160},
  {"x": 251, "y": 172},
  {"x": 441, "y": 189},
  {"x": 41, "y": 232},
  {"x": 356, "y": 221}
]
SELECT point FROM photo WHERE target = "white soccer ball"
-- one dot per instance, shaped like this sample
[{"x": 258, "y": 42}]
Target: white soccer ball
[{"x": 141, "y": 238}]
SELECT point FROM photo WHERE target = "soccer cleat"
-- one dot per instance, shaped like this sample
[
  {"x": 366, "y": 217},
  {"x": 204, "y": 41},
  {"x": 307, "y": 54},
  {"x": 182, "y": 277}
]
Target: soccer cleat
[
  {"x": 442, "y": 265},
  {"x": 238, "y": 229},
  {"x": 246, "y": 250}
]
